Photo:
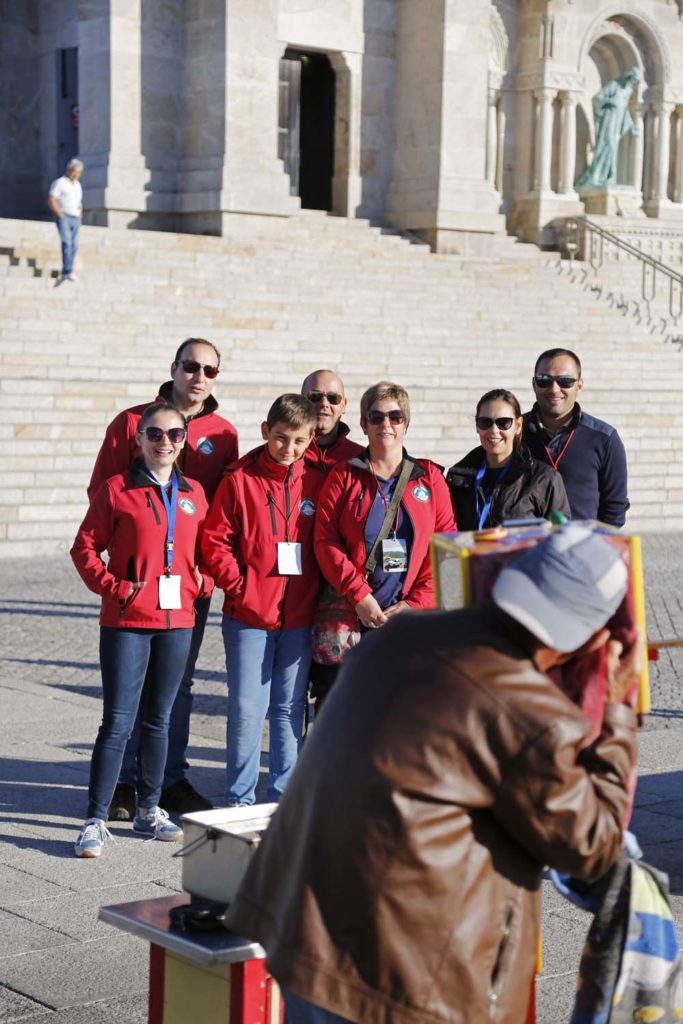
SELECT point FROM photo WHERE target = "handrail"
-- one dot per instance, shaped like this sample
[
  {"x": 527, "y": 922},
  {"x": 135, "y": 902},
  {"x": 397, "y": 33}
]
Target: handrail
[{"x": 577, "y": 230}]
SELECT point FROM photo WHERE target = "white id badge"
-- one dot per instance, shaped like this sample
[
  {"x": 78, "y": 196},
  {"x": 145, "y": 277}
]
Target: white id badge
[
  {"x": 169, "y": 592},
  {"x": 394, "y": 555},
  {"x": 289, "y": 558}
]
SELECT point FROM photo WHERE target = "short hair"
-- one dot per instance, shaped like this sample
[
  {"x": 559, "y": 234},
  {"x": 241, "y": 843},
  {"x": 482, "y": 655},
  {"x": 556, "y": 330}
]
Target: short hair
[
  {"x": 196, "y": 341},
  {"x": 74, "y": 162},
  {"x": 150, "y": 412},
  {"x": 292, "y": 410},
  {"x": 503, "y": 395},
  {"x": 314, "y": 373},
  {"x": 382, "y": 391},
  {"x": 555, "y": 353}
]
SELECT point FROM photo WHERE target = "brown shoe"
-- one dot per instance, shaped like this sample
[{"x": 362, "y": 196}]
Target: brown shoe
[{"x": 122, "y": 806}]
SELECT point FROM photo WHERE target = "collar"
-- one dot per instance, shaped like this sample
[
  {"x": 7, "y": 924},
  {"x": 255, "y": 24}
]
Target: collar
[
  {"x": 362, "y": 461},
  {"x": 166, "y": 395},
  {"x": 138, "y": 478},
  {"x": 569, "y": 425},
  {"x": 342, "y": 431},
  {"x": 272, "y": 470}
]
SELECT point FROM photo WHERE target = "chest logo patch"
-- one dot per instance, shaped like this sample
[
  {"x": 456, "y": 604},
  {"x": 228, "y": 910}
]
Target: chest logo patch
[
  {"x": 205, "y": 445},
  {"x": 187, "y": 506},
  {"x": 306, "y": 507},
  {"x": 421, "y": 492}
]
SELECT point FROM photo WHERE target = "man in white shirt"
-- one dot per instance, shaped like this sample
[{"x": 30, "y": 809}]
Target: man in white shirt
[{"x": 65, "y": 199}]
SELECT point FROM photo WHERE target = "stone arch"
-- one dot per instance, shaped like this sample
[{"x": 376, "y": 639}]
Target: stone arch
[{"x": 641, "y": 33}]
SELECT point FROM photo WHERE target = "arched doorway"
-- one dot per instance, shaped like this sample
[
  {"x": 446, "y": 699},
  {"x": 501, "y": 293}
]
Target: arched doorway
[{"x": 306, "y": 125}]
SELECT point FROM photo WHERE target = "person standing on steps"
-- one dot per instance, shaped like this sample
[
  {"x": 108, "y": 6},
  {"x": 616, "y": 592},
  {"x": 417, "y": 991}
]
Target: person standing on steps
[
  {"x": 210, "y": 447},
  {"x": 65, "y": 199},
  {"x": 587, "y": 452}
]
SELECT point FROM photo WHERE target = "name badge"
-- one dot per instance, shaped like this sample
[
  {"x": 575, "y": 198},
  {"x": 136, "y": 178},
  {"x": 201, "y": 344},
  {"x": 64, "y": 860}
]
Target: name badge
[
  {"x": 394, "y": 555},
  {"x": 169, "y": 592},
  {"x": 289, "y": 558}
]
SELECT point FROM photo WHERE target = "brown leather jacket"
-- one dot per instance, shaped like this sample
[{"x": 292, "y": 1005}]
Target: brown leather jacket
[{"x": 398, "y": 881}]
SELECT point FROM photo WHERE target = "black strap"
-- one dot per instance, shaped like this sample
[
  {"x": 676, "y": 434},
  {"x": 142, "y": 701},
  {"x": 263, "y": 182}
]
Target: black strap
[{"x": 404, "y": 476}]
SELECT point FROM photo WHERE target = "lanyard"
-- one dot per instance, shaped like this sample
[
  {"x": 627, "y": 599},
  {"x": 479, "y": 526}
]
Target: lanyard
[
  {"x": 484, "y": 512},
  {"x": 555, "y": 462},
  {"x": 170, "y": 504}
]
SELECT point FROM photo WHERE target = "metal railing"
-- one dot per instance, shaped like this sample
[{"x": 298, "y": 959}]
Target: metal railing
[{"x": 582, "y": 238}]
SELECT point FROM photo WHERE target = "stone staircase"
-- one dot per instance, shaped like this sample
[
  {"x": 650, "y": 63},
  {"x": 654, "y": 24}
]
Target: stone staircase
[{"x": 283, "y": 297}]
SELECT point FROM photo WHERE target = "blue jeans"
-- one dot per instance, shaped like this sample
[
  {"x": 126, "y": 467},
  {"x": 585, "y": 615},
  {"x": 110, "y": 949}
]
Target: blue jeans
[
  {"x": 179, "y": 728},
  {"x": 267, "y": 674},
  {"x": 68, "y": 232},
  {"x": 140, "y": 668},
  {"x": 300, "y": 1011}
]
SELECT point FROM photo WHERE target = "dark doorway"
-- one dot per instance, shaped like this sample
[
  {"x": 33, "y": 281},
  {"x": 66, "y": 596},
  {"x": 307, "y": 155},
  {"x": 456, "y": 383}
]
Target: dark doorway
[
  {"x": 67, "y": 106},
  {"x": 306, "y": 126}
]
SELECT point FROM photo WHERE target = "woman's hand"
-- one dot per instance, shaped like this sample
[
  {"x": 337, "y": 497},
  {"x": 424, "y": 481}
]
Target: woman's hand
[
  {"x": 370, "y": 613},
  {"x": 199, "y": 579},
  {"x": 400, "y": 606},
  {"x": 623, "y": 670},
  {"x": 138, "y": 585}
]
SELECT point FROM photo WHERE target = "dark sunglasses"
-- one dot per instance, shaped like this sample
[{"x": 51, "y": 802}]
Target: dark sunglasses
[
  {"x": 485, "y": 422},
  {"x": 332, "y": 397},
  {"x": 545, "y": 380},
  {"x": 191, "y": 366},
  {"x": 376, "y": 417},
  {"x": 175, "y": 434}
]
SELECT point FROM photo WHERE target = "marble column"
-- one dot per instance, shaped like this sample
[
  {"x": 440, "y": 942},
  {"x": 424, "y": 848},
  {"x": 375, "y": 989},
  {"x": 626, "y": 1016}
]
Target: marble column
[
  {"x": 491, "y": 136},
  {"x": 661, "y": 176},
  {"x": 678, "y": 181},
  {"x": 638, "y": 147},
  {"x": 500, "y": 149},
  {"x": 544, "y": 138},
  {"x": 347, "y": 182},
  {"x": 567, "y": 142}
]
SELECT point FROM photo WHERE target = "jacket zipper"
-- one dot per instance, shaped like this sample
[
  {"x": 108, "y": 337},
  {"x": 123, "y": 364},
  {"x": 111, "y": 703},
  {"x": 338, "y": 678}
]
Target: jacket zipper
[
  {"x": 271, "y": 506},
  {"x": 496, "y": 974},
  {"x": 359, "y": 503},
  {"x": 153, "y": 507},
  {"x": 287, "y": 578}
]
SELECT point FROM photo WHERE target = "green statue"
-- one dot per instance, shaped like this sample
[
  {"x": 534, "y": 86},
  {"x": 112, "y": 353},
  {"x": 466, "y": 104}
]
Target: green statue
[{"x": 612, "y": 122}]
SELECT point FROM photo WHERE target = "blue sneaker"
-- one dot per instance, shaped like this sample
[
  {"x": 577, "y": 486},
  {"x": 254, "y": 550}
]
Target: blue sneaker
[
  {"x": 156, "y": 824},
  {"x": 91, "y": 838}
]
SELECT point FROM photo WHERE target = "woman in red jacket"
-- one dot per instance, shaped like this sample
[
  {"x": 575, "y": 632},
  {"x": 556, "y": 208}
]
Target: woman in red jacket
[
  {"x": 148, "y": 519},
  {"x": 354, "y": 501}
]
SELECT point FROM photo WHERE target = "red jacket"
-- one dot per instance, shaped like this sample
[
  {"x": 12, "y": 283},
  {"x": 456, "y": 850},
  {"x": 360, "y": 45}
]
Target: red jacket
[
  {"x": 211, "y": 445},
  {"x": 342, "y": 449},
  {"x": 345, "y": 502},
  {"x": 127, "y": 518},
  {"x": 239, "y": 543}
]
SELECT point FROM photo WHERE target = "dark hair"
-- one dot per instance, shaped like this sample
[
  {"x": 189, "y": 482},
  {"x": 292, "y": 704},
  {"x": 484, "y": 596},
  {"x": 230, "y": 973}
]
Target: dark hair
[
  {"x": 151, "y": 411},
  {"x": 385, "y": 390},
  {"x": 292, "y": 410},
  {"x": 196, "y": 341},
  {"x": 503, "y": 395},
  {"x": 555, "y": 353}
]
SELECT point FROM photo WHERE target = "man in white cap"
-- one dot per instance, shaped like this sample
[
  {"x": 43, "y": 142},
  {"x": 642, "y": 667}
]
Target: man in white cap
[{"x": 398, "y": 881}]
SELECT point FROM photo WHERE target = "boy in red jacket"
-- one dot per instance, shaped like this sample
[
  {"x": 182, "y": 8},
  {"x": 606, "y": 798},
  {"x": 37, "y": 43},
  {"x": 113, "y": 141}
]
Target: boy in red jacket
[{"x": 258, "y": 545}]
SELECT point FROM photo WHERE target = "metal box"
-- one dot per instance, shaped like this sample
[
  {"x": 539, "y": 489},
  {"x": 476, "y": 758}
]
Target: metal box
[{"x": 218, "y": 846}]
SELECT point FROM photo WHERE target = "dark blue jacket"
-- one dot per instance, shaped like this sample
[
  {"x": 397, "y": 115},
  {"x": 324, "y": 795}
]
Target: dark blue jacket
[{"x": 593, "y": 467}]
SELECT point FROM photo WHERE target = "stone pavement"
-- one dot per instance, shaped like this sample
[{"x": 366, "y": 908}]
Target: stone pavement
[{"x": 58, "y": 963}]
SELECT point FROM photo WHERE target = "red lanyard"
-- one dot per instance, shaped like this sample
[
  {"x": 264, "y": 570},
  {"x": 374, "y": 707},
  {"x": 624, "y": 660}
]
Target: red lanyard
[{"x": 555, "y": 462}]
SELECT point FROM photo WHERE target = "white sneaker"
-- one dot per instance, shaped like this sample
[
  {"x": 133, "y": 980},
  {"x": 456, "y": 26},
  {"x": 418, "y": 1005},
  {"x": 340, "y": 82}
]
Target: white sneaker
[
  {"x": 91, "y": 838},
  {"x": 71, "y": 277}
]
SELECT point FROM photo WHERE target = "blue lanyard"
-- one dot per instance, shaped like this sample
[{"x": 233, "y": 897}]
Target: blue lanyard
[
  {"x": 484, "y": 512},
  {"x": 170, "y": 504}
]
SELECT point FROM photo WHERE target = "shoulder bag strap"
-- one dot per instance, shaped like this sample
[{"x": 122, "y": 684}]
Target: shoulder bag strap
[{"x": 390, "y": 514}]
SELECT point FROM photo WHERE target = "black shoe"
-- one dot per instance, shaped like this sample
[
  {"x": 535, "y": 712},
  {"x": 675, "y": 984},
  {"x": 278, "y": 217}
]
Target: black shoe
[
  {"x": 122, "y": 806},
  {"x": 183, "y": 798}
]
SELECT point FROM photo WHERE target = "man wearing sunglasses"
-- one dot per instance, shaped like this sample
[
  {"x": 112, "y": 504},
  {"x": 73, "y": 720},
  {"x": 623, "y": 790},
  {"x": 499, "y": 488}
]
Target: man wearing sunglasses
[
  {"x": 210, "y": 446},
  {"x": 331, "y": 443},
  {"x": 587, "y": 452}
]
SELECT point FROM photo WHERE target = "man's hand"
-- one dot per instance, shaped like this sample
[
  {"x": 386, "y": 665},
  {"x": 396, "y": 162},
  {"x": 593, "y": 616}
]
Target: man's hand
[
  {"x": 394, "y": 609},
  {"x": 623, "y": 670},
  {"x": 370, "y": 613}
]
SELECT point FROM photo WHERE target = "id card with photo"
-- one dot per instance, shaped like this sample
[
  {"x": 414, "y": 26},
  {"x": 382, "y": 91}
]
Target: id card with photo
[
  {"x": 394, "y": 555},
  {"x": 169, "y": 592},
  {"x": 289, "y": 558}
]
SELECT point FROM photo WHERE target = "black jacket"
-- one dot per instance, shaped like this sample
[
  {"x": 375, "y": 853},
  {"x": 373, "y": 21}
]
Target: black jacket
[{"x": 529, "y": 488}]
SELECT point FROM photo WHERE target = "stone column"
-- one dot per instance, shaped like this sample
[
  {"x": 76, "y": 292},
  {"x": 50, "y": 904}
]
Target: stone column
[
  {"x": 347, "y": 183},
  {"x": 491, "y": 137},
  {"x": 500, "y": 150},
  {"x": 661, "y": 176},
  {"x": 678, "y": 181},
  {"x": 567, "y": 143},
  {"x": 544, "y": 138},
  {"x": 638, "y": 147}
]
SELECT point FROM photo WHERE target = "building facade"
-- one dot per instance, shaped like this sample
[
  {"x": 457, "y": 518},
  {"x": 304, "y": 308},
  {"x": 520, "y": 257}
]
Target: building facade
[{"x": 453, "y": 119}]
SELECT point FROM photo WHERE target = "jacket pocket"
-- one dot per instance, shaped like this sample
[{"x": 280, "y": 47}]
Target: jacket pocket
[{"x": 500, "y": 963}]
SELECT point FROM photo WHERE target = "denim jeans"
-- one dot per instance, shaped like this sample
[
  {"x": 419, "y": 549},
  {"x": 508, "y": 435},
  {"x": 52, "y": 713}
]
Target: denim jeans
[
  {"x": 68, "y": 232},
  {"x": 300, "y": 1011},
  {"x": 267, "y": 674},
  {"x": 140, "y": 667},
  {"x": 179, "y": 728}
]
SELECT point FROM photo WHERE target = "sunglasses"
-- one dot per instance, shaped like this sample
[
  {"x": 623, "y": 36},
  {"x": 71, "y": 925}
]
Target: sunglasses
[
  {"x": 376, "y": 417},
  {"x": 191, "y": 366},
  {"x": 485, "y": 422},
  {"x": 332, "y": 397},
  {"x": 156, "y": 434},
  {"x": 545, "y": 380}
]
